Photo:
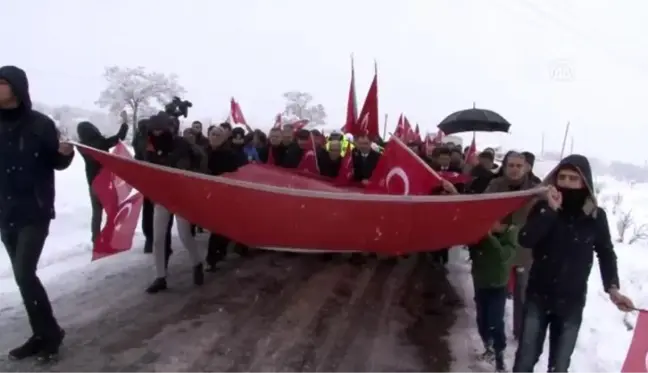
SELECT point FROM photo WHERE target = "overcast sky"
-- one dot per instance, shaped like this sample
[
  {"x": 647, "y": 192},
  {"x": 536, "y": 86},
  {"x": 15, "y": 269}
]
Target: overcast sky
[{"x": 538, "y": 63}]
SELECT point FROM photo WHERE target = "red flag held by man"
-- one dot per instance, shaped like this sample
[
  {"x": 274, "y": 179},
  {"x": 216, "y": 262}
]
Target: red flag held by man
[
  {"x": 308, "y": 162},
  {"x": 400, "y": 171},
  {"x": 417, "y": 132},
  {"x": 368, "y": 120},
  {"x": 471, "y": 155},
  {"x": 400, "y": 128},
  {"x": 637, "y": 358},
  {"x": 352, "y": 105},
  {"x": 123, "y": 190},
  {"x": 122, "y": 210},
  {"x": 237, "y": 114},
  {"x": 345, "y": 174}
]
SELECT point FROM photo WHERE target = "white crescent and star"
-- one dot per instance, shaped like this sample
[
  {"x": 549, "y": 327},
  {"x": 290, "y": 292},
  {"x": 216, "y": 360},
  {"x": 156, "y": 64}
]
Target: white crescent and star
[
  {"x": 398, "y": 171},
  {"x": 126, "y": 206}
]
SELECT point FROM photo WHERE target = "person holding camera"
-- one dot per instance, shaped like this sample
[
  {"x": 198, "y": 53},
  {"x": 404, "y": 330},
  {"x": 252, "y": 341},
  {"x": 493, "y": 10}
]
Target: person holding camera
[
  {"x": 140, "y": 143},
  {"x": 168, "y": 149}
]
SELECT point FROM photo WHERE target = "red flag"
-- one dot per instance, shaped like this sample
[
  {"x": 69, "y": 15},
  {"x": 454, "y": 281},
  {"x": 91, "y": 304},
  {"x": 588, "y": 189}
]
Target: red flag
[
  {"x": 308, "y": 162},
  {"x": 455, "y": 177},
  {"x": 345, "y": 174},
  {"x": 277, "y": 123},
  {"x": 122, "y": 211},
  {"x": 123, "y": 190},
  {"x": 417, "y": 133},
  {"x": 400, "y": 171},
  {"x": 117, "y": 234},
  {"x": 352, "y": 105},
  {"x": 368, "y": 119},
  {"x": 400, "y": 128},
  {"x": 103, "y": 186},
  {"x": 637, "y": 358},
  {"x": 471, "y": 155},
  {"x": 237, "y": 114},
  {"x": 438, "y": 137},
  {"x": 409, "y": 131}
]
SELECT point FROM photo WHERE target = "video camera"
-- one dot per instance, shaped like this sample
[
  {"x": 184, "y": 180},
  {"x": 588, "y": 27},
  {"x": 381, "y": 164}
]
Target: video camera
[{"x": 177, "y": 107}]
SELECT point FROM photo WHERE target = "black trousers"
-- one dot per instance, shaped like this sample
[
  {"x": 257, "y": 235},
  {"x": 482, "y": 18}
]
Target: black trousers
[
  {"x": 97, "y": 214},
  {"x": 147, "y": 224},
  {"x": 216, "y": 248},
  {"x": 24, "y": 246}
]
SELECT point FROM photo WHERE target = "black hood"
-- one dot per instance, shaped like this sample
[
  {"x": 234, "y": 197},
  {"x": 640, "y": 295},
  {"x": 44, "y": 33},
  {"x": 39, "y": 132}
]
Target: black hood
[
  {"x": 581, "y": 164},
  {"x": 88, "y": 132},
  {"x": 161, "y": 122},
  {"x": 17, "y": 79}
]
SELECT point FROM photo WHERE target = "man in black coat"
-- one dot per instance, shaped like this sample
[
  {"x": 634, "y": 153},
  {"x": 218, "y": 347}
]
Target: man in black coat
[
  {"x": 140, "y": 146},
  {"x": 30, "y": 151},
  {"x": 90, "y": 135},
  {"x": 564, "y": 231}
]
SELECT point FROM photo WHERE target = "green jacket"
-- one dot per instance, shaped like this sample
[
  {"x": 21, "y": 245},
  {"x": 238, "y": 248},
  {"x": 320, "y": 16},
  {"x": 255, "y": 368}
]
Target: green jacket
[{"x": 492, "y": 259}]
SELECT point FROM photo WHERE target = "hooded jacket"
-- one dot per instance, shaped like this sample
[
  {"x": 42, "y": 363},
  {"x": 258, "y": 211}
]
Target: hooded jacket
[
  {"x": 563, "y": 247},
  {"x": 29, "y": 143},
  {"x": 90, "y": 135},
  {"x": 167, "y": 148}
]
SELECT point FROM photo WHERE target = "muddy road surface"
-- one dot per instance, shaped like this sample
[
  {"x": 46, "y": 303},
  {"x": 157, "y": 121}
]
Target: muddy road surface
[{"x": 269, "y": 311}]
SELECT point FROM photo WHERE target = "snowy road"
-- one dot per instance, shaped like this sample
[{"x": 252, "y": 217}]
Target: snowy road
[{"x": 269, "y": 312}]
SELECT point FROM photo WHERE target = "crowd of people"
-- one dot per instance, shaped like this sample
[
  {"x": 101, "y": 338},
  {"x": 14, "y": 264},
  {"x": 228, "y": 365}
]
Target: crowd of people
[{"x": 544, "y": 249}]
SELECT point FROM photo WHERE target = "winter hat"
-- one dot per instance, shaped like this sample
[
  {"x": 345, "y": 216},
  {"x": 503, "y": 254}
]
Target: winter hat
[
  {"x": 238, "y": 132},
  {"x": 161, "y": 122}
]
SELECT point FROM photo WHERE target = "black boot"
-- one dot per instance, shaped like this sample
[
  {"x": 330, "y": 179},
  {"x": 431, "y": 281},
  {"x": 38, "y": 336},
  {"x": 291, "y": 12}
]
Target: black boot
[
  {"x": 198, "y": 275},
  {"x": 32, "y": 347},
  {"x": 158, "y": 285},
  {"x": 50, "y": 351},
  {"x": 500, "y": 366},
  {"x": 148, "y": 246}
]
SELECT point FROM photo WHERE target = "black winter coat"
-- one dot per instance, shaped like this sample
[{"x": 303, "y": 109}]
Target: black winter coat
[
  {"x": 563, "y": 248},
  {"x": 90, "y": 135},
  {"x": 29, "y": 155},
  {"x": 363, "y": 167}
]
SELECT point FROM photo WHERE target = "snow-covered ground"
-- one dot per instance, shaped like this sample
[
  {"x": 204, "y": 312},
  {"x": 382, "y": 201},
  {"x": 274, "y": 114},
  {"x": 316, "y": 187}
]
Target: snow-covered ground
[
  {"x": 602, "y": 344},
  {"x": 604, "y": 338}
]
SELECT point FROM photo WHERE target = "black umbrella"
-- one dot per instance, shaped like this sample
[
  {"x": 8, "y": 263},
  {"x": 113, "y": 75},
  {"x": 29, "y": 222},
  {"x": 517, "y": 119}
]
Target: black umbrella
[{"x": 474, "y": 120}]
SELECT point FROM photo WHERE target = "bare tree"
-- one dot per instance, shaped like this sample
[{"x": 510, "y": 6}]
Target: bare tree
[
  {"x": 639, "y": 233},
  {"x": 299, "y": 106},
  {"x": 624, "y": 222},
  {"x": 617, "y": 200},
  {"x": 136, "y": 90}
]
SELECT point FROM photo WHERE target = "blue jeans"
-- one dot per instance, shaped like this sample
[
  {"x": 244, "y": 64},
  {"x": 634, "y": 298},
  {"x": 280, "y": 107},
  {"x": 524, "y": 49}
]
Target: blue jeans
[
  {"x": 563, "y": 331},
  {"x": 490, "y": 304}
]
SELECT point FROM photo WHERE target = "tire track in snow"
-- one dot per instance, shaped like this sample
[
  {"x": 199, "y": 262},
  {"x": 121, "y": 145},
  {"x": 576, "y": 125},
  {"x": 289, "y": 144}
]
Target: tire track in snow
[
  {"x": 294, "y": 347},
  {"x": 231, "y": 349},
  {"x": 282, "y": 333},
  {"x": 357, "y": 315}
]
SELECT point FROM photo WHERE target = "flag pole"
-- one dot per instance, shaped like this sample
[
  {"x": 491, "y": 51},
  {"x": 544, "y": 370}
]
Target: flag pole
[
  {"x": 562, "y": 150},
  {"x": 385, "y": 126}
]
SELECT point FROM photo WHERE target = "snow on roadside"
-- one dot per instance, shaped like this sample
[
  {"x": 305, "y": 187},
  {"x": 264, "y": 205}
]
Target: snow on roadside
[{"x": 604, "y": 339}]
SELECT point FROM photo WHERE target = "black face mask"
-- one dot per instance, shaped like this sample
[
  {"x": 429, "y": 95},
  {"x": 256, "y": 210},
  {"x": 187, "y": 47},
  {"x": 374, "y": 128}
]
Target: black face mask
[
  {"x": 163, "y": 142},
  {"x": 573, "y": 199}
]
